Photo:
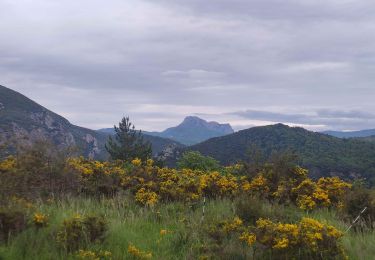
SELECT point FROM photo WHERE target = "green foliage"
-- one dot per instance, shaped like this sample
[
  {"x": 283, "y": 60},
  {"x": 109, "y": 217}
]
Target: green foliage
[
  {"x": 128, "y": 143},
  {"x": 355, "y": 201},
  {"x": 196, "y": 161}
]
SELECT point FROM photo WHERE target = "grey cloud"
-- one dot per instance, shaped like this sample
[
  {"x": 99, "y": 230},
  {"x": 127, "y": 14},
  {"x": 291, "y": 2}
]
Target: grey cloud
[
  {"x": 343, "y": 120},
  {"x": 118, "y": 57}
]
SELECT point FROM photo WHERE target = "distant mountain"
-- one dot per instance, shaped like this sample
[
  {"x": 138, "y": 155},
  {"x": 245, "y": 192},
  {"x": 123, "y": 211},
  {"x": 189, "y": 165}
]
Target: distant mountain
[
  {"x": 322, "y": 154},
  {"x": 351, "y": 134},
  {"x": 26, "y": 121},
  {"x": 194, "y": 130}
]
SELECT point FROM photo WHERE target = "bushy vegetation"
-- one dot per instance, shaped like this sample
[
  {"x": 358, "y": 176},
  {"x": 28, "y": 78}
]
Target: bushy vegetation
[{"x": 137, "y": 210}]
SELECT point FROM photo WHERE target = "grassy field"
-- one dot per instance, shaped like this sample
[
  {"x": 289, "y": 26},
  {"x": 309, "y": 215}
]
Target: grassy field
[{"x": 168, "y": 231}]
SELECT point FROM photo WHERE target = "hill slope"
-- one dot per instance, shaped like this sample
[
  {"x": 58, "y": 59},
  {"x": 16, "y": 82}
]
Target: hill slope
[
  {"x": 21, "y": 117},
  {"x": 194, "y": 130},
  {"x": 322, "y": 154}
]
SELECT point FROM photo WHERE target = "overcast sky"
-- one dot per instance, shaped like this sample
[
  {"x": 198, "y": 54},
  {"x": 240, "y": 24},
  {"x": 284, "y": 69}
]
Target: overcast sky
[{"x": 246, "y": 62}]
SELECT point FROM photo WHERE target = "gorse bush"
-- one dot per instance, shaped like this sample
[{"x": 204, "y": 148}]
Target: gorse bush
[
  {"x": 78, "y": 231},
  {"x": 151, "y": 184},
  {"x": 37, "y": 170},
  {"x": 306, "y": 239}
]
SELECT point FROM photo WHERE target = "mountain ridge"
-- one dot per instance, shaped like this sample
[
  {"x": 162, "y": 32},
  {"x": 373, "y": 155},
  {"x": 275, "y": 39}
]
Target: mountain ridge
[
  {"x": 193, "y": 130},
  {"x": 25, "y": 120},
  {"x": 351, "y": 134}
]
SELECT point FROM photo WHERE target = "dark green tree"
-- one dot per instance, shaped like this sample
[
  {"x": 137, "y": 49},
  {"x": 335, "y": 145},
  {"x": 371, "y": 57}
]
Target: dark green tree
[{"x": 127, "y": 143}]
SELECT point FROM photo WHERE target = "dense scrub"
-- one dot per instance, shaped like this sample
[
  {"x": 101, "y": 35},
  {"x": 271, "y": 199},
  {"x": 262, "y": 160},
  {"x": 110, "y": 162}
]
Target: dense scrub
[{"x": 117, "y": 210}]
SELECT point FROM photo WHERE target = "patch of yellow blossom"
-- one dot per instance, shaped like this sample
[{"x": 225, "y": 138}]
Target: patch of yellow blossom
[
  {"x": 235, "y": 224},
  {"x": 308, "y": 233},
  {"x": 94, "y": 255},
  {"x": 259, "y": 184},
  {"x": 248, "y": 237},
  {"x": 137, "y": 253},
  {"x": 146, "y": 197},
  {"x": 8, "y": 164},
  {"x": 137, "y": 162},
  {"x": 163, "y": 232},
  {"x": 40, "y": 220}
]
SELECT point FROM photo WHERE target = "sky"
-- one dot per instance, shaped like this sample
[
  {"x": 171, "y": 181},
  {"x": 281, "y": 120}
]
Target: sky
[{"x": 308, "y": 63}]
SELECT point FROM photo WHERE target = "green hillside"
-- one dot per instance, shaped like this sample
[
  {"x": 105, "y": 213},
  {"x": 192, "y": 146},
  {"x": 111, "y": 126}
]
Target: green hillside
[{"x": 320, "y": 153}]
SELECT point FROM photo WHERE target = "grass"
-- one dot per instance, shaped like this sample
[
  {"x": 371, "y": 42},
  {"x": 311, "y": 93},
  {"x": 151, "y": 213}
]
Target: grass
[{"x": 132, "y": 224}]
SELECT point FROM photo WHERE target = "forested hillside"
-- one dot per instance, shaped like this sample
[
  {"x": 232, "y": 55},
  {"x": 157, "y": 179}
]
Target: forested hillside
[{"x": 320, "y": 153}]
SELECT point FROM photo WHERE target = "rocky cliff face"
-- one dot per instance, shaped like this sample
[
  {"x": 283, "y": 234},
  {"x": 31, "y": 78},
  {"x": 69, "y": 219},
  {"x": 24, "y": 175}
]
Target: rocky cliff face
[{"x": 24, "y": 121}]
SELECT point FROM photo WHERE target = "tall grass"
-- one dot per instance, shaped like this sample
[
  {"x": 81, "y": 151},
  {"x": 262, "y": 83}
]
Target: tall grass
[{"x": 140, "y": 226}]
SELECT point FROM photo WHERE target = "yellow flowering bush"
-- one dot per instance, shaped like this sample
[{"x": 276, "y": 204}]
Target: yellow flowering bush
[
  {"x": 94, "y": 255},
  {"x": 335, "y": 189},
  {"x": 97, "y": 177},
  {"x": 248, "y": 237},
  {"x": 151, "y": 184},
  {"x": 308, "y": 237},
  {"x": 8, "y": 164},
  {"x": 146, "y": 197},
  {"x": 234, "y": 225},
  {"x": 137, "y": 162},
  {"x": 78, "y": 229},
  {"x": 137, "y": 253},
  {"x": 258, "y": 185}
]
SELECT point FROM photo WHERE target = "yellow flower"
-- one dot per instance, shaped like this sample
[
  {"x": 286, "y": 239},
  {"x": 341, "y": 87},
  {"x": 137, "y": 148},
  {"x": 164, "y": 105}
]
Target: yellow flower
[
  {"x": 281, "y": 243},
  {"x": 137, "y": 162},
  {"x": 137, "y": 253},
  {"x": 163, "y": 232},
  {"x": 249, "y": 238},
  {"x": 146, "y": 197},
  {"x": 233, "y": 225},
  {"x": 40, "y": 220}
]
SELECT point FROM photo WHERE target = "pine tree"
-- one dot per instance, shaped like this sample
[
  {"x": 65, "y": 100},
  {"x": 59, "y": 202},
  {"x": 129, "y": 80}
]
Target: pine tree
[{"x": 127, "y": 143}]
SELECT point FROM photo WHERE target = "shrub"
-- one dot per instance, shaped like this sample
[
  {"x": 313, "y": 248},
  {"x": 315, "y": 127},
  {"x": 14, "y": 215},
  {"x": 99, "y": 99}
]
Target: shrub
[
  {"x": 11, "y": 223},
  {"x": 308, "y": 239},
  {"x": 77, "y": 230},
  {"x": 251, "y": 208},
  {"x": 196, "y": 161}
]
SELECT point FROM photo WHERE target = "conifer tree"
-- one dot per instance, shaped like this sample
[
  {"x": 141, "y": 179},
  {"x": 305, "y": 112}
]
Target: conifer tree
[{"x": 128, "y": 143}]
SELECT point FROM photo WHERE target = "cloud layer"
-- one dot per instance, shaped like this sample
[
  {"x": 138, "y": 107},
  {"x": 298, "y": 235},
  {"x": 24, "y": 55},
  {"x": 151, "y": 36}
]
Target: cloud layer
[{"x": 244, "y": 62}]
